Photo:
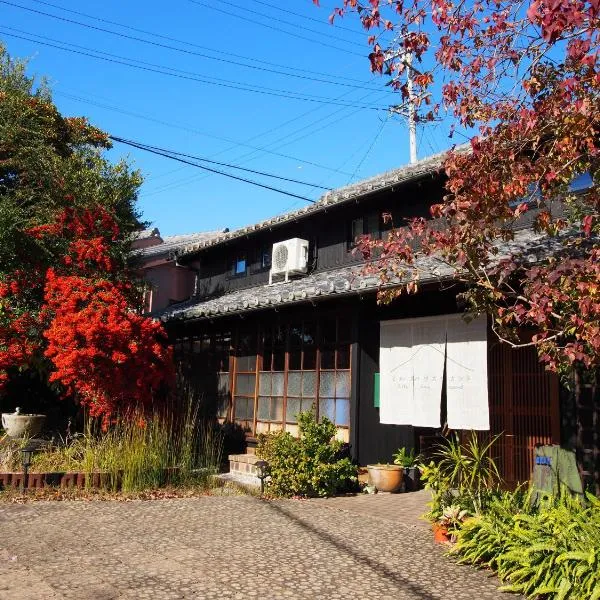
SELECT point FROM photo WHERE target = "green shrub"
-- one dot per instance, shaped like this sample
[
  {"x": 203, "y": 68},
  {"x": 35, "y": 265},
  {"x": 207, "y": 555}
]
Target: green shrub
[
  {"x": 309, "y": 465},
  {"x": 551, "y": 550}
]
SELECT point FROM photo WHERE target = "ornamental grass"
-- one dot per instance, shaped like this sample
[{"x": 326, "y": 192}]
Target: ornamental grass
[{"x": 141, "y": 452}]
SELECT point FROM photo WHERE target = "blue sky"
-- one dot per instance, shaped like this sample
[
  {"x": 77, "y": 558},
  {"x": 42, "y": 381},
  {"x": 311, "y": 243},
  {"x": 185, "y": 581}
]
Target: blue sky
[{"x": 326, "y": 143}]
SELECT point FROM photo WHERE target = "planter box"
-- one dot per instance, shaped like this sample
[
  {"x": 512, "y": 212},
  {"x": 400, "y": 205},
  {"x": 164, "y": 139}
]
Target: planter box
[{"x": 80, "y": 480}]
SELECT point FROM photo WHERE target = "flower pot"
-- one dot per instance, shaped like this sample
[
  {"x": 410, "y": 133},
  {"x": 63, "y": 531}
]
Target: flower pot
[
  {"x": 440, "y": 534},
  {"x": 412, "y": 479},
  {"x": 18, "y": 425},
  {"x": 386, "y": 478}
]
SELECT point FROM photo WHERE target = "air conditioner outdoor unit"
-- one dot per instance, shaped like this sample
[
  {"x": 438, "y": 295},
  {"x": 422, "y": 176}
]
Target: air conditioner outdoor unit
[{"x": 288, "y": 258}]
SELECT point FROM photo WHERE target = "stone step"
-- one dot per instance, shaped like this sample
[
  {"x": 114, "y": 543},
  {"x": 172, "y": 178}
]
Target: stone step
[
  {"x": 243, "y": 464},
  {"x": 242, "y": 480}
]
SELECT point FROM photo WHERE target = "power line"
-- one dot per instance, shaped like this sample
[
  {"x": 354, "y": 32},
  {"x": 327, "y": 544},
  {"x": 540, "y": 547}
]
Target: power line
[
  {"x": 150, "y": 147},
  {"x": 362, "y": 160},
  {"x": 315, "y": 20},
  {"x": 194, "y": 45},
  {"x": 287, "y": 142},
  {"x": 294, "y": 25},
  {"x": 279, "y": 30},
  {"x": 189, "y": 129},
  {"x": 178, "y": 73},
  {"x": 182, "y": 50},
  {"x": 236, "y": 177},
  {"x": 187, "y": 180}
]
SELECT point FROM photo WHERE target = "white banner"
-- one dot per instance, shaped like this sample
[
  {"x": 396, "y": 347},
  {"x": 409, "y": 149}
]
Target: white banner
[
  {"x": 412, "y": 356},
  {"x": 396, "y": 374},
  {"x": 429, "y": 346},
  {"x": 411, "y": 363},
  {"x": 466, "y": 374}
]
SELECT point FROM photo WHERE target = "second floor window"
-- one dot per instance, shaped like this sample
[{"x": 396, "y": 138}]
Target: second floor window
[
  {"x": 265, "y": 258},
  {"x": 366, "y": 225},
  {"x": 239, "y": 265}
]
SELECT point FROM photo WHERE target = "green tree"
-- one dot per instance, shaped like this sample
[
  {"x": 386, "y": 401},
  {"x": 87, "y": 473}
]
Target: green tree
[{"x": 69, "y": 324}]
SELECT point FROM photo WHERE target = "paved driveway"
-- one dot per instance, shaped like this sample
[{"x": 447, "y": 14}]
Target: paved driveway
[{"x": 228, "y": 547}]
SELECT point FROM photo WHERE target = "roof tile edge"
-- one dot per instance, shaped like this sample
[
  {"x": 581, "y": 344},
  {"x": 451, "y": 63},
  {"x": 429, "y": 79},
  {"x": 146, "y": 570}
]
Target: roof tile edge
[{"x": 406, "y": 173}]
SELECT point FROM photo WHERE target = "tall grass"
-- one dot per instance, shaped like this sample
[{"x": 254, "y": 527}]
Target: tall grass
[{"x": 142, "y": 452}]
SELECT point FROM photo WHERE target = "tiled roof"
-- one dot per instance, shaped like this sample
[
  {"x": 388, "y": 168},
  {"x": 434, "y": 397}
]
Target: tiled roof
[
  {"x": 147, "y": 233},
  {"x": 386, "y": 180},
  {"x": 339, "y": 282},
  {"x": 171, "y": 244}
]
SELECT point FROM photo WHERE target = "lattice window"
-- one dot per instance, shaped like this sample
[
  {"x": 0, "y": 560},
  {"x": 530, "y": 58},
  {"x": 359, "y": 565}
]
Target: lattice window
[{"x": 244, "y": 387}]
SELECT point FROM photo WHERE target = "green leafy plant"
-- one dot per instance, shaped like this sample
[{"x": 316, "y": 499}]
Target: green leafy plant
[
  {"x": 406, "y": 458},
  {"x": 469, "y": 469},
  {"x": 311, "y": 464},
  {"x": 453, "y": 517},
  {"x": 140, "y": 453},
  {"x": 549, "y": 550},
  {"x": 434, "y": 480}
]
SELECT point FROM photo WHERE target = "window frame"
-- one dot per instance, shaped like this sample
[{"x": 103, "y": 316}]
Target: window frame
[
  {"x": 237, "y": 259},
  {"x": 367, "y": 219}
]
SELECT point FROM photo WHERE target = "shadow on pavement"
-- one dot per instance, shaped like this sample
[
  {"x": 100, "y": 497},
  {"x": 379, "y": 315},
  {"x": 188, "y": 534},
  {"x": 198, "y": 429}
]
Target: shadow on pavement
[{"x": 387, "y": 573}]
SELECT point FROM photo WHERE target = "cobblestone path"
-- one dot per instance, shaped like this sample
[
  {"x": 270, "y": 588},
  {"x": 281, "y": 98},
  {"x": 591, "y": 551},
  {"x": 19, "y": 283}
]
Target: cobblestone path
[{"x": 228, "y": 547}]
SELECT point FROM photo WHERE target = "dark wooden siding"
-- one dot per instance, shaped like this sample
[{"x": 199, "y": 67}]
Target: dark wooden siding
[
  {"x": 328, "y": 233},
  {"x": 374, "y": 442}
]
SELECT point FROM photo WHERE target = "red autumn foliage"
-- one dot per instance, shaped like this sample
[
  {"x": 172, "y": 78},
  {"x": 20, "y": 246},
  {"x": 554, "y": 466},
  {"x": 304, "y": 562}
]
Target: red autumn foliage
[
  {"x": 526, "y": 77},
  {"x": 102, "y": 351},
  {"x": 99, "y": 348}
]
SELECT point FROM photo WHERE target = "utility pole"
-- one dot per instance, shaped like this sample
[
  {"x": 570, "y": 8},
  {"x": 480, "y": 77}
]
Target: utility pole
[
  {"x": 412, "y": 120},
  {"x": 411, "y": 112}
]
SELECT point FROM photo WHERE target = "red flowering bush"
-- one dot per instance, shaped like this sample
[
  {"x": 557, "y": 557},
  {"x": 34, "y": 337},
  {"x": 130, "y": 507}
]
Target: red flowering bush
[{"x": 100, "y": 349}]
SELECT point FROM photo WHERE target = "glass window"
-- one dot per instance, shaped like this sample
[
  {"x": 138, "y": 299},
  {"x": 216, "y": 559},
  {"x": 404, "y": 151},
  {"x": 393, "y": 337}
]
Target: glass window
[
  {"x": 239, "y": 265},
  {"x": 264, "y": 408},
  {"x": 327, "y": 383},
  {"x": 244, "y": 385},
  {"x": 309, "y": 358},
  {"x": 292, "y": 409},
  {"x": 328, "y": 359},
  {"x": 342, "y": 412},
  {"x": 276, "y": 409},
  {"x": 294, "y": 384},
  {"x": 372, "y": 226},
  {"x": 342, "y": 384},
  {"x": 279, "y": 360},
  {"x": 357, "y": 227},
  {"x": 295, "y": 359},
  {"x": 343, "y": 357},
  {"x": 277, "y": 384},
  {"x": 309, "y": 382},
  {"x": 266, "y": 259},
  {"x": 327, "y": 408},
  {"x": 264, "y": 383}
]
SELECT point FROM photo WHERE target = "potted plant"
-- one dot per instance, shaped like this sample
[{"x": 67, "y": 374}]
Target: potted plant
[
  {"x": 409, "y": 460},
  {"x": 385, "y": 477},
  {"x": 448, "y": 525}
]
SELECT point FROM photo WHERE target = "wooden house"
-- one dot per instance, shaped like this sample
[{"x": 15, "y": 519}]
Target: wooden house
[{"x": 261, "y": 353}]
